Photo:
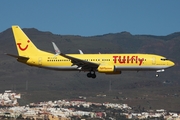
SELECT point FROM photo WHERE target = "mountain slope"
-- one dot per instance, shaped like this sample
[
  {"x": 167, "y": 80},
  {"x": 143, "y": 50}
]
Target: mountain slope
[{"x": 48, "y": 84}]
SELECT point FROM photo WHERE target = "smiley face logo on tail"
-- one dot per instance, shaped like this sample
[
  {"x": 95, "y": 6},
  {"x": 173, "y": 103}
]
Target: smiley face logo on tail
[{"x": 23, "y": 48}]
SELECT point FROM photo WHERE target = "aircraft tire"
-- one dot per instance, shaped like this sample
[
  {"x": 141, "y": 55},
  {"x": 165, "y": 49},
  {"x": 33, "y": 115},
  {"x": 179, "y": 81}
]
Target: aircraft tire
[
  {"x": 93, "y": 76},
  {"x": 89, "y": 75},
  {"x": 157, "y": 75}
]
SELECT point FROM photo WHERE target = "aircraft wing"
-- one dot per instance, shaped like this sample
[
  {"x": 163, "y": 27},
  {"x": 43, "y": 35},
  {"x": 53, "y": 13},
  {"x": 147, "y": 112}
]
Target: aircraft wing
[{"x": 82, "y": 64}]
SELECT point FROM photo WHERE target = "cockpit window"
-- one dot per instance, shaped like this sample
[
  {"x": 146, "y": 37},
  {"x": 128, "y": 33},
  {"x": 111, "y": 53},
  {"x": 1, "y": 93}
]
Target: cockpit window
[{"x": 164, "y": 59}]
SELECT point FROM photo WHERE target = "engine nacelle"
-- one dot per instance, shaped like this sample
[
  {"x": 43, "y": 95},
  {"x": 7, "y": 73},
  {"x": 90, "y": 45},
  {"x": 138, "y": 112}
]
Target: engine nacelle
[{"x": 106, "y": 68}]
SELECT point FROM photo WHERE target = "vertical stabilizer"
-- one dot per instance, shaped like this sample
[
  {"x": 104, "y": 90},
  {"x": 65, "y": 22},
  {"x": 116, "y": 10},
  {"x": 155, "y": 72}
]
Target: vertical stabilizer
[{"x": 24, "y": 45}]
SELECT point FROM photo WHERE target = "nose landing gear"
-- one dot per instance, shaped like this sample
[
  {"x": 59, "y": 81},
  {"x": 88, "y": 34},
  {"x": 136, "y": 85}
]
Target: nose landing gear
[
  {"x": 158, "y": 71},
  {"x": 157, "y": 75}
]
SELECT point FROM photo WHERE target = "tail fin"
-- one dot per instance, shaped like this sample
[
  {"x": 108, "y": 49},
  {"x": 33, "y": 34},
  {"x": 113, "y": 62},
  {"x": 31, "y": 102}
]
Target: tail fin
[{"x": 24, "y": 45}]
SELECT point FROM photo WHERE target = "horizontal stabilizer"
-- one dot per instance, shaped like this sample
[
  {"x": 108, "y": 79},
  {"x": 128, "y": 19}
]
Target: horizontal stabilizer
[{"x": 18, "y": 57}]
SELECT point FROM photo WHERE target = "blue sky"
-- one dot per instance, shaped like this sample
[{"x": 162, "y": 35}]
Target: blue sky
[{"x": 93, "y": 17}]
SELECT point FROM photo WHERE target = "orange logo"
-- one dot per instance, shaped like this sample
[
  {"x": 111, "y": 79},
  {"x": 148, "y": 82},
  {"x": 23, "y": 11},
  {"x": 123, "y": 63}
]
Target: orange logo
[{"x": 23, "y": 48}]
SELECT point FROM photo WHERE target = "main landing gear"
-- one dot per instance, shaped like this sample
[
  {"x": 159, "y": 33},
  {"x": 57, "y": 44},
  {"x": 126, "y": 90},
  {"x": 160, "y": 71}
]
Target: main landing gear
[{"x": 91, "y": 74}]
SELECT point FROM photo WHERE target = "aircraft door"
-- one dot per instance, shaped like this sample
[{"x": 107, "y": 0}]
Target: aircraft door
[
  {"x": 153, "y": 60},
  {"x": 39, "y": 61}
]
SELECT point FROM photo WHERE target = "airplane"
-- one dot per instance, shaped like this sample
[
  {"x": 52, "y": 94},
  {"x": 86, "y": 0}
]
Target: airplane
[{"x": 110, "y": 64}]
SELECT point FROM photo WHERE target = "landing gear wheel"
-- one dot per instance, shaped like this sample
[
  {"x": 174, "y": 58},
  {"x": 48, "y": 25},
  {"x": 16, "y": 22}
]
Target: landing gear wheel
[
  {"x": 91, "y": 75},
  {"x": 157, "y": 75}
]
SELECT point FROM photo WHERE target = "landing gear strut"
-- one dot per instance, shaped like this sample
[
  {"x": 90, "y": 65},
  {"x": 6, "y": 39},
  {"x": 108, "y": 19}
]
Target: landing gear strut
[
  {"x": 158, "y": 71},
  {"x": 91, "y": 74}
]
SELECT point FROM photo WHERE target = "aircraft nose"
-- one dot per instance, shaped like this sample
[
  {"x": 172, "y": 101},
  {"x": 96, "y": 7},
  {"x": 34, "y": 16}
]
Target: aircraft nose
[{"x": 171, "y": 63}]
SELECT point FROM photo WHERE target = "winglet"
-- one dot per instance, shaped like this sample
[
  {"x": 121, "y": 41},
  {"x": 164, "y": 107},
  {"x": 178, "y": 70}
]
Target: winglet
[
  {"x": 80, "y": 51},
  {"x": 56, "y": 49}
]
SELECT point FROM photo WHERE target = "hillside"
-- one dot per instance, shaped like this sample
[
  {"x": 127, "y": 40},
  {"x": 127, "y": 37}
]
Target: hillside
[{"x": 134, "y": 88}]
